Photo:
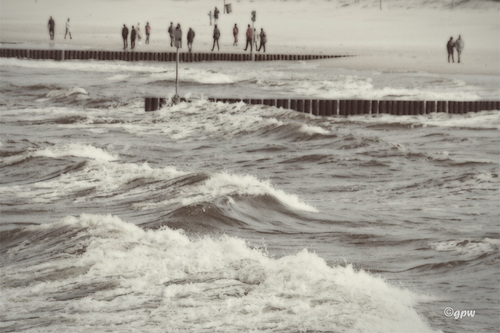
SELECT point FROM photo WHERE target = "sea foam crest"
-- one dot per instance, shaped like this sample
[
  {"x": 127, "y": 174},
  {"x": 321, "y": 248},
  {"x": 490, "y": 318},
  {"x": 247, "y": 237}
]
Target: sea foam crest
[
  {"x": 101, "y": 264},
  {"x": 226, "y": 184},
  {"x": 468, "y": 247},
  {"x": 77, "y": 150}
]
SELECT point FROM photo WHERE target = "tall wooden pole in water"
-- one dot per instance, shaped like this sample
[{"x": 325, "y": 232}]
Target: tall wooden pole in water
[
  {"x": 254, "y": 14},
  {"x": 177, "y": 72},
  {"x": 178, "y": 37}
]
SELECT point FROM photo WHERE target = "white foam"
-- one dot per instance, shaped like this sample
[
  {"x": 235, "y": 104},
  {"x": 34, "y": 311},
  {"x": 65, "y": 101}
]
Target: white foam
[
  {"x": 100, "y": 175},
  {"x": 77, "y": 150},
  {"x": 467, "y": 247},
  {"x": 226, "y": 184},
  {"x": 479, "y": 120},
  {"x": 76, "y": 92},
  {"x": 190, "y": 284},
  {"x": 310, "y": 129}
]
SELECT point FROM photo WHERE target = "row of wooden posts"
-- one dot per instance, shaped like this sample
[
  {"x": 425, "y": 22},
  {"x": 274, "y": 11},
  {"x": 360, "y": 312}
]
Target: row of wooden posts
[
  {"x": 152, "y": 56},
  {"x": 327, "y": 107}
]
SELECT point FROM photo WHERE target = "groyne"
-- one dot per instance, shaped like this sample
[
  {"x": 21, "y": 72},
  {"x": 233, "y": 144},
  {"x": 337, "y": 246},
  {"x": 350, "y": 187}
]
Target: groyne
[
  {"x": 61, "y": 55},
  {"x": 351, "y": 107}
]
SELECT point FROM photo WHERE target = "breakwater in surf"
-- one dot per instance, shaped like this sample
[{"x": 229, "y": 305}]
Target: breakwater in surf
[
  {"x": 327, "y": 107},
  {"x": 102, "y": 55}
]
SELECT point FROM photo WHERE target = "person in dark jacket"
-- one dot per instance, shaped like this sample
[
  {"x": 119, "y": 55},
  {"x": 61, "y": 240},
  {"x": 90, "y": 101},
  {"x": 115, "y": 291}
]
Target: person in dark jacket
[
  {"x": 216, "y": 37},
  {"x": 249, "y": 38},
  {"x": 449, "y": 47},
  {"x": 171, "y": 34},
  {"x": 133, "y": 34},
  {"x": 216, "y": 16},
  {"x": 125, "y": 36},
  {"x": 235, "y": 34},
  {"x": 263, "y": 40},
  {"x": 51, "y": 25},
  {"x": 190, "y": 39}
]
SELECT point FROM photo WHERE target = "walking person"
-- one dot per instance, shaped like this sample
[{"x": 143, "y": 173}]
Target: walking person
[
  {"x": 133, "y": 34},
  {"x": 148, "y": 32},
  {"x": 459, "y": 45},
  {"x": 125, "y": 36},
  {"x": 171, "y": 33},
  {"x": 216, "y": 37},
  {"x": 216, "y": 16},
  {"x": 139, "y": 34},
  {"x": 263, "y": 40},
  {"x": 249, "y": 38},
  {"x": 67, "y": 30},
  {"x": 51, "y": 25},
  {"x": 235, "y": 34},
  {"x": 449, "y": 46},
  {"x": 190, "y": 39},
  {"x": 210, "y": 15}
]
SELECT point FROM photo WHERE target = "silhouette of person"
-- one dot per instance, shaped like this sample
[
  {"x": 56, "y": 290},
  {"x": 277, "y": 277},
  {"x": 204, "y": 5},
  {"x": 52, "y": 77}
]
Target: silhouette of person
[
  {"x": 459, "y": 45},
  {"x": 51, "y": 25},
  {"x": 125, "y": 36},
  {"x": 216, "y": 37},
  {"x": 449, "y": 46}
]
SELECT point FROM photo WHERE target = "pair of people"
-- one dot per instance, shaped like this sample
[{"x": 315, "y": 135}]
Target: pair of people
[
  {"x": 52, "y": 26},
  {"x": 176, "y": 36},
  {"x": 451, "y": 45},
  {"x": 252, "y": 37},
  {"x": 133, "y": 35}
]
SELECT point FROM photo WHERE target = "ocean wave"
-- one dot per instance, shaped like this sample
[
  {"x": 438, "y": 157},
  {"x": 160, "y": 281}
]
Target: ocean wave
[
  {"x": 67, "y": 95},
  {"x": 224, "y": 184},
  {"x": 468, "y": 247},
  {"x": 77, "y": 150},
  {"x": 217, "y": 201},
  {"x": 56, "y": 152},
  {"x": 94, "y": 264},
  {"x": 473, "y": 120}
]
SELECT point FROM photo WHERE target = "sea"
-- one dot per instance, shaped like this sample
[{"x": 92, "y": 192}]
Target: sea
[{"x": 213, "y": 217}]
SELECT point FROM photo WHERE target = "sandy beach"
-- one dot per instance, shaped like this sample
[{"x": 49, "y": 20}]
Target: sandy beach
[{"x": 404, "y": 37}]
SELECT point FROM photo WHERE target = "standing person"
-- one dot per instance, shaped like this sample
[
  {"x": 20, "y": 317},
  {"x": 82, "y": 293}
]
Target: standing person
[
  {"x": 449, "y": 46},
  {"x": 263, "y": 40},
  {"x": 235, "y": 34},
  {"x": 132, "y": 38},
  {"x": 216, "y": 38},
  {"x": 178, "y": 34},
  {"x": 148, "y": 32},
  {"x": 67, "y": 30},
  {"x": 51, "y": 25},
  {"x": 190, "y": 38},
  {"x": 249, "y": 38},
  {"x": 210, "y": 15},
  {"x": 216, "y": 16},
  {"x": 139, "y": 34},
  {"x": 125, "y": 36},
  {"x": 255, "y": 38},
  {"x": 459, "y": 44},
  {"x": 171, "y": 33}
]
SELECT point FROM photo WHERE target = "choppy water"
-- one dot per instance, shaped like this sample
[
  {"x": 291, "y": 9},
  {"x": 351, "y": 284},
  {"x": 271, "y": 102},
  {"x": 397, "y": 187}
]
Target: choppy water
[{"x": 214, "y": 217}]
